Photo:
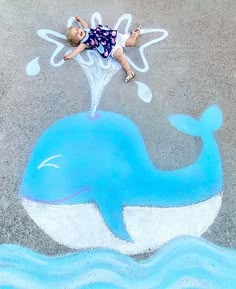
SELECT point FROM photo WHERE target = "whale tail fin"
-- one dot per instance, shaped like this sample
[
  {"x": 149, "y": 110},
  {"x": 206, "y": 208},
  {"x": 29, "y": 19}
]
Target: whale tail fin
[{"x": 210, "y": 120}]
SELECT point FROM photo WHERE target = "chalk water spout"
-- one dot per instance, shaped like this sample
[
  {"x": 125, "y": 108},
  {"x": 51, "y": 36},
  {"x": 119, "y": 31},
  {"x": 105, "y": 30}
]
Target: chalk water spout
[{"x": 99, "y": 72}]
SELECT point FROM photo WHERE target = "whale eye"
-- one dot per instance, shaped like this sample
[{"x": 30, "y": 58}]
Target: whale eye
[{"x": 46, "y": 164}]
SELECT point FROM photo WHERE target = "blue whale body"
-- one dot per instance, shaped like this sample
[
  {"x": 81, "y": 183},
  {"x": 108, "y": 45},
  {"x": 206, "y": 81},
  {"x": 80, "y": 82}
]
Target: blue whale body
[{"x": 104, "y": 161}]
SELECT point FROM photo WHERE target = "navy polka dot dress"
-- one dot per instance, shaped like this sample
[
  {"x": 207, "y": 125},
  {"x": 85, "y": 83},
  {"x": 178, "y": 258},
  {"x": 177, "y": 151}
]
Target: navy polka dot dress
[{"x": 102, "y": 38}]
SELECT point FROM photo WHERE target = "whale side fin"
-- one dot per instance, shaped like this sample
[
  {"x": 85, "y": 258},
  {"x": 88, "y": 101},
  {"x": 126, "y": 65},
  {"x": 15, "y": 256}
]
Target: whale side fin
[
  {"x": 210, "y": 120},
  {"x": 112, "y": 214}
]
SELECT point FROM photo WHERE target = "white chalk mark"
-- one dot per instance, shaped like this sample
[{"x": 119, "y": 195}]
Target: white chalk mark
[
  {"x": 44, "y": 163},
  {"x": 124, "y": 17},
  {"x": 96, "y": 19},
  {"x": 141, "y": 49},
  {"x": 33, "y": 67},
  {"x": 43, "y": 33},
  {"x": 99, "y": 74},
  {"x": 144, "y": 92},
  {"x": 128, "y": 17}
]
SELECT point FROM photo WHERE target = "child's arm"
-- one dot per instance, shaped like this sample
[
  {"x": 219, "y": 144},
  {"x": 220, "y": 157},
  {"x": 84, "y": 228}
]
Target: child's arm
[
  {"x": 76, "y": 51},
  {"x": 82, "y": 22}
]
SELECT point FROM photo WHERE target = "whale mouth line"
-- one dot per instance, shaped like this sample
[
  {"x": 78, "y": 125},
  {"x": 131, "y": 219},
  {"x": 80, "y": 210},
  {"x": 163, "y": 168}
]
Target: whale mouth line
[{"x": 55, "y": 202}]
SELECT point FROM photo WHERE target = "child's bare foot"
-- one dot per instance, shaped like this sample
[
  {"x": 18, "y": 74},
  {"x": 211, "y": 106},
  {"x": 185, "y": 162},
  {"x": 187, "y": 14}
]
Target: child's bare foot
[{"x": 129, "y": 76}]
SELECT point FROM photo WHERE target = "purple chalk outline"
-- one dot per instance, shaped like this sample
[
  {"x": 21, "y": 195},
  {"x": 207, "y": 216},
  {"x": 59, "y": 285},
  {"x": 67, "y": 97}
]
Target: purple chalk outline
[{"x": 60, "y": 200}]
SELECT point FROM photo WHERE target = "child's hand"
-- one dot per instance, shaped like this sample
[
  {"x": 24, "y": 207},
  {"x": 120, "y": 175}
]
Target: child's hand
[
  {"x": 67, "y": 57},
  {"x": 77, "y": 18}
]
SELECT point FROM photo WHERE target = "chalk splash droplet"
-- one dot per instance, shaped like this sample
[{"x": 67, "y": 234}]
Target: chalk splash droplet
[
  {"x": 33, "y": 67},
  {"x": 144, "y": 92}
]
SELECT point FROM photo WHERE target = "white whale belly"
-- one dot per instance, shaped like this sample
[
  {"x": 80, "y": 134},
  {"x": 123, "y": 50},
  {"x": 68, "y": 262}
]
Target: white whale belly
[{"x": 81, "y": 226}]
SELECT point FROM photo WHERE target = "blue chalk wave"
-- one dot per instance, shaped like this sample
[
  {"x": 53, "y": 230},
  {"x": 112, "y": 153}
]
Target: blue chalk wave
[{"x": 183, "y": 263}]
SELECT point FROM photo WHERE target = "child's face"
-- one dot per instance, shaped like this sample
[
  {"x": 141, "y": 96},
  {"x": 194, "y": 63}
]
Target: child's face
[{"x": 77, "y": 34}]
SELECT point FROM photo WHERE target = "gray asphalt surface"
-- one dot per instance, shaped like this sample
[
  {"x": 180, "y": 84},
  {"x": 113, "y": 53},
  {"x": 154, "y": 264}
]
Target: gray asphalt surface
[{"x": 190, "y": 70}]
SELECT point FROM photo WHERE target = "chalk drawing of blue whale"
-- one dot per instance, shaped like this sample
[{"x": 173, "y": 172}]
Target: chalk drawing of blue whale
[{"x": 94, "y": 178}]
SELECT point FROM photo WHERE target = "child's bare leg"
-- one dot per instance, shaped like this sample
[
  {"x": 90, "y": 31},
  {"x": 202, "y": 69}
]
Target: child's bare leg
[
  {"x": 119, "y": 56},
  {"x": 131, "y": 41}
]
